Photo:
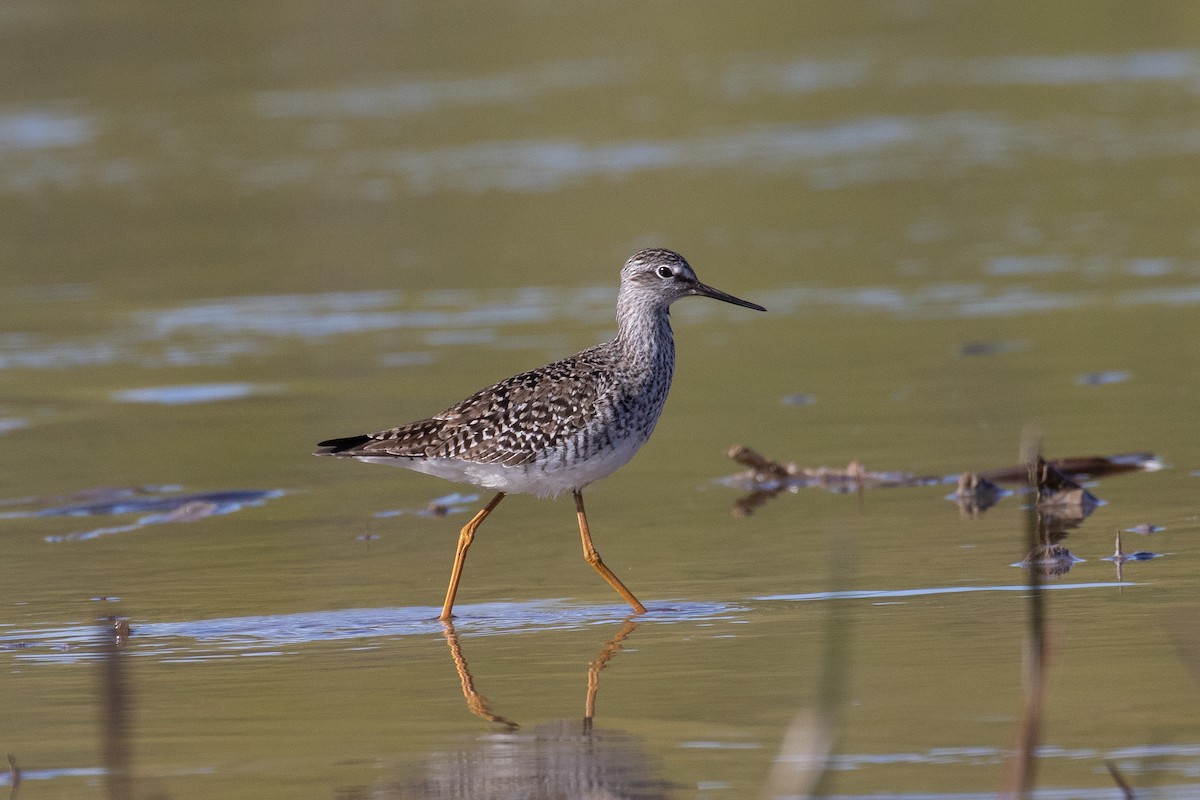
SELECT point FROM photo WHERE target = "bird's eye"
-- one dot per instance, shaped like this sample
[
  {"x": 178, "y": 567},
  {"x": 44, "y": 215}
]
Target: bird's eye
[{"x": 665, "y": 272}]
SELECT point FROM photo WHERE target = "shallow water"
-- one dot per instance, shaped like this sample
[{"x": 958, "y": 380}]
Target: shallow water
[{"x": 231, "y": 236}]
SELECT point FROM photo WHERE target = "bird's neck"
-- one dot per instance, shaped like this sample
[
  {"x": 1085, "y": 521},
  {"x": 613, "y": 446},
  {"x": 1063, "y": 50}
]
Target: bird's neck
[{"x": 644, "y": 332}]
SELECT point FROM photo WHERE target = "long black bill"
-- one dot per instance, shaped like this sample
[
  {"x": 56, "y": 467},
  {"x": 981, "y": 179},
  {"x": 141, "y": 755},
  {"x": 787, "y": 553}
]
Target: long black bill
[{"x": 705, "y": 290}]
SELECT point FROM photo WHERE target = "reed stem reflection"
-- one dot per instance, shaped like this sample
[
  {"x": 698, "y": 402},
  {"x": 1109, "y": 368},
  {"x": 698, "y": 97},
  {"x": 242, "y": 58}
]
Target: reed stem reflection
[
  {"x": 1022, "y": 768},
  {"x": 115, "y": 716},
  {"x": 14, "y": 777}
]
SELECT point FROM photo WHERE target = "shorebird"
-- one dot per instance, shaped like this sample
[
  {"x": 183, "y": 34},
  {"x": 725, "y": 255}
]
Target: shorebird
[{"x": 560, "y": 427}]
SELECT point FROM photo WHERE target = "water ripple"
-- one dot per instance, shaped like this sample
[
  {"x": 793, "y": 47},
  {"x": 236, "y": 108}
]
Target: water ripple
[
  {"x": 43, "y": 128},
  {"x": 269, "y": 635},
  {"x": 881, "y": 594},
  {"x": 805, "y": 76},
  {"x": 424, "y": 95},
  {"x": 187, "y": 394},
  {"x": 220, "y": 331}
]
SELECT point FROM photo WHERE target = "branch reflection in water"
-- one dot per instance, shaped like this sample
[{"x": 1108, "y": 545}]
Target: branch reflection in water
[{"x": 565, "y": 758}]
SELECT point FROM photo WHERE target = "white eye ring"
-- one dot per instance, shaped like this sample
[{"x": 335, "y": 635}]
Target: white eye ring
[{"x": 665, "y": 272}]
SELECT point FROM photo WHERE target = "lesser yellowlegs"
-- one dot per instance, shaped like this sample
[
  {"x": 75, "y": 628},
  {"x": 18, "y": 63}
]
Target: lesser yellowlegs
[{"x": 562, "y": 426}]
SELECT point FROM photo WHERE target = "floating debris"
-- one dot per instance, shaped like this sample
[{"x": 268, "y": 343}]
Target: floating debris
[
  {"x": 454, "y": 503},
  {"x": 1140, "y": 555},
  {"x": 1120, "y": 556},
  {"x": 1060, "y": 505},
  {"x": 976, "y": 495},
  {"x": 990, "y": 348},
  {"x": 120, "y": 630},
  {"x": 1057, "y": 492},
  {"x": 765, "y": 473},
  {"x": 1052, "y": 560},
  {"x": 1062, "y": 501},
  {"x": 450, "y": 504},
  {"x": 765, "y": 479},
  {"x": 1081, "y": 467}
]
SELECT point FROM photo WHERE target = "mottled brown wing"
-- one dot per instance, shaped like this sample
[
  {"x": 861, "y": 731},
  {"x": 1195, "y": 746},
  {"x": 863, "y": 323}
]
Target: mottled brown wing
[{"x": 511, "y": 423}]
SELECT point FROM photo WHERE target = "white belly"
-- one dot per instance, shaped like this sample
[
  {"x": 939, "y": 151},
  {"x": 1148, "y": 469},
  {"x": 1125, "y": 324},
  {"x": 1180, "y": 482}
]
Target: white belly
[{"x": 545, "y": 478}]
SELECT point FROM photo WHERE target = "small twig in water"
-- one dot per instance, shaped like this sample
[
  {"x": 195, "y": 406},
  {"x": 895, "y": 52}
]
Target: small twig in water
[
  {"x": 1122, "y": 784},
  {"x": 14, "y": 776}
]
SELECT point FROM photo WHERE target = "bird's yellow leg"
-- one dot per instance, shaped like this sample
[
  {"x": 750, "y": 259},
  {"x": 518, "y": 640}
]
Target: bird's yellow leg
[
  {"x": 465, "y": 537},
  {"x": 593, "y": 558}
]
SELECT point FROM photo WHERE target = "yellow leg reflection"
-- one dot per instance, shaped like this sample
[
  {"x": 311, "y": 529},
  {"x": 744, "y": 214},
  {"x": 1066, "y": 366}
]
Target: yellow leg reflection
[
  {"x": 601, "y": 661},
  {"x": 477, "y": 703}
]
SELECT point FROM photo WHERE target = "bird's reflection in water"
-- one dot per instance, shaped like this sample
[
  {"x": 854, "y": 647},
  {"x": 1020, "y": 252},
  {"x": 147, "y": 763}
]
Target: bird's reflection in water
[
  {"x": 477, "y": 703},
  {"x": 600, "y": 662},
  {"x": 561, "y": 760}
]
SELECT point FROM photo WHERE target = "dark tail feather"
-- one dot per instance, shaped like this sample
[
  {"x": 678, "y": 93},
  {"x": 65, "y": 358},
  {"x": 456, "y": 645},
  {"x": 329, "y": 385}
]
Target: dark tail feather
[{"x": 336, "y": 447}]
